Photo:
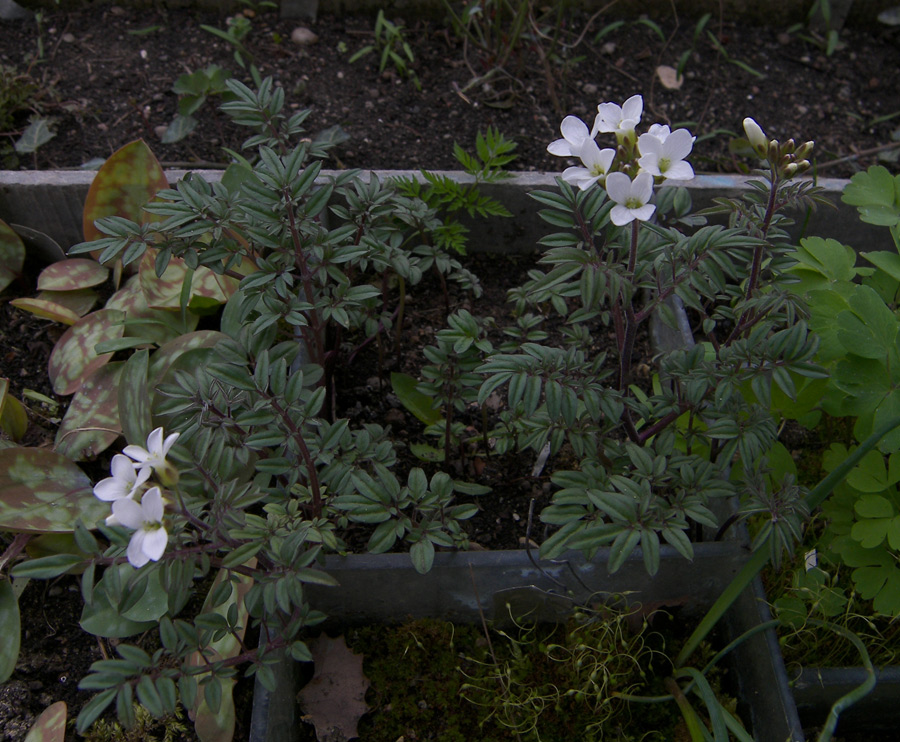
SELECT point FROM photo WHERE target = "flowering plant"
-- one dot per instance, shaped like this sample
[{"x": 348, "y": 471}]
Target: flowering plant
[
  {"x": 655, "y": 454},
  {"x": 238, "y": 475},
  {"x": 248, "y": 477}
]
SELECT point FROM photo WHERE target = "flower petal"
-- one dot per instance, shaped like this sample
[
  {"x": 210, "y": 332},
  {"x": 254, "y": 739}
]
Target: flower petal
[
  {"x": 110, "y": 489},
  {"x": 648, "y": 144},
  {"x": 644, "y": 213},
  {"x": 154, "y": 543},
  {"x": 135, "y": 553},
  {"x": 574, "y": 129},
  {"x": 128, "y": 513},
  {"x": 642, "y": 187},
  {"x": 620, "y": 215},
  {"x": 633, "y": 108},
  {"x": 679, "y": 171},
  {"x": 679, "y": 144},
  {"x": 152, "y": 505},
  {"x": 618, "y": 187}
]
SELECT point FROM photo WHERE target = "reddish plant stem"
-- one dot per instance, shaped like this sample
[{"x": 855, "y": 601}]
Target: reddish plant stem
[{"x": 747, "y": 320}]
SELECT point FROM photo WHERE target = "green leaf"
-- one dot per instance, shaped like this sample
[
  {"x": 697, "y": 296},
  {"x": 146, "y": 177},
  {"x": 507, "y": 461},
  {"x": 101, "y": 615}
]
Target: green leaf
[
  {"x": 102, "y": 617},
  {"x": 13, "y": 418},
  {"x": 869, "y": 329},
  {"x": 45, "y": 568},
  {"x": 96, "y": 706},
  {"x": 180, "y": 127},
  {"x": 422, "y": 555},
  {"x": 213, "y": 711},
  {"x": 12, "y": 632},
  {"x": 889, "y": 262},
  {"x": 420, "y": 404},
  {"x": 36, "y": 134},
  {"x": 876, "y": 195},
  {"x": 41, "y": 491},
  {"x": 874, "y": 506}
]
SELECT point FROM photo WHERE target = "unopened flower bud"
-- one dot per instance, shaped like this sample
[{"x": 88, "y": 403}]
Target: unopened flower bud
[
  {"x": 788, "y": 147},
  {"x": 790, "y": 170},
  {"x": 804, "y": 150},
  {"x": 774, "y": 151},
  {"x": 167, "y": 474},
  {"x": 756, "y": 136},
  {"x": 802, "y": 166}
]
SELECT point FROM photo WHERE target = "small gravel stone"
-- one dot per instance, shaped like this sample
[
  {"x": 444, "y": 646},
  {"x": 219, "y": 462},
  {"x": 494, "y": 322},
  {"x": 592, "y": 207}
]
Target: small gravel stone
[{"x": 303, "y": 36}]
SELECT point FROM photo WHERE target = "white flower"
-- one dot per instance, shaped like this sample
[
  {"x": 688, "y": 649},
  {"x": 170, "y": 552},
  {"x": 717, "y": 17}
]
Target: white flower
[
  {"x": 619, "y": 119},
  {"x": 574, "y": 132},
  {"x": 631, "y": 197},
  {"x": 596, "y": 165},
  {"x": 756, "y": 136},
  {"x": 660, "y": 131},
  {"x": 124, "y": 482},
  {"x": 154, "y": 456},
  {"x": 665, "y": 157},
  {"x": 149, "y": 538}
]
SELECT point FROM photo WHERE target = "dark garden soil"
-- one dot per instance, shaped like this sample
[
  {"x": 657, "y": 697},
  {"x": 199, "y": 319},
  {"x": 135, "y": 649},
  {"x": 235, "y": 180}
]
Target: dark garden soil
[{"x": 105, "y": 77}]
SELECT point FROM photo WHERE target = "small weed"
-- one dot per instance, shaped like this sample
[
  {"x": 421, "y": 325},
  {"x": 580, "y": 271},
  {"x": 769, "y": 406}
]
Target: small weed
[{"x": 391, "y": 46}]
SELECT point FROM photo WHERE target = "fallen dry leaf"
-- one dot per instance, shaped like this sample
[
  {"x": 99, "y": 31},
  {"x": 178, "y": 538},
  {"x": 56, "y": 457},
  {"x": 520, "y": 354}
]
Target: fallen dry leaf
[
  {"x": 335, "y": 699},
  {"x": 669, "y": 77}
]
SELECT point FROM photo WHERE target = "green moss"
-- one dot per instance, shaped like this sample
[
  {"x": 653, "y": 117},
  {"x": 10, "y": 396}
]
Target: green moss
[
  {"x": 147, "y": 728},
  {"x": 437, "y": 681}
]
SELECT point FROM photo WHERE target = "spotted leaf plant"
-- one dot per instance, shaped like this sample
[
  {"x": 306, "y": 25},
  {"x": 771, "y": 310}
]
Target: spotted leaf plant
[{"x": 656, "y": 455}]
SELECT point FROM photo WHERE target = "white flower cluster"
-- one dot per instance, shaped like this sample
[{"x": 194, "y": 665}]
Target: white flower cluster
[
  {"x": 659, "y": 153},
  {"x": 135, "y": 504}
]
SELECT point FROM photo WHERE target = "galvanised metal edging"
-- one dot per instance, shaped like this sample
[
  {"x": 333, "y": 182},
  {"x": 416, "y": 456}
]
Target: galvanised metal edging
[{"x": 51, "y": 202}]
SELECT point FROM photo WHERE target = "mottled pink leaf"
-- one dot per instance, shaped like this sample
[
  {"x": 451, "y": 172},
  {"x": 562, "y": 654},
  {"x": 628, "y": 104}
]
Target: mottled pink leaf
[
  {"x": 47, "y": 310},
  {"x": 162, "y": 325},
  {"x": 72, "y": 274},
  {"x": 164, "y": 292},
  {"x": 130, "y": 178},
  {"x": 163, "y": 358},
  {"x": 43, "y": 491},
  {"x": 50, "y": 725},
  {"x": 74, "y": 358},
  {"x": 12, "y": 255},
  {"x": 80, "y": 302},
  {"x": 91, "y": 424}
]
